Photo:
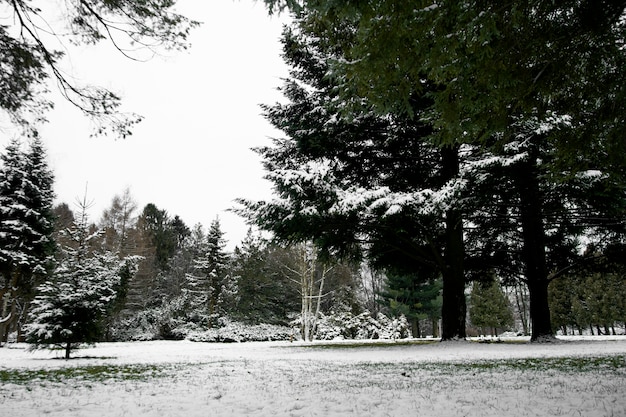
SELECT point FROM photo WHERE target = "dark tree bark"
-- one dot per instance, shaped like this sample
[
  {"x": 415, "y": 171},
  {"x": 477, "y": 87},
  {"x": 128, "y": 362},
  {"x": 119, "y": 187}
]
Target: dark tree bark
[
  {"x": 534, "y": 249},
  {"x": 454, "y": 307}
]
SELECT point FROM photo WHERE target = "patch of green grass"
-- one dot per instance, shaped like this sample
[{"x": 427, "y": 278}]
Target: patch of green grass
[
  {"x": 578, "y": 364},
  {"x": 94, "y": 373},
  {"x": 356, "y": 345}
]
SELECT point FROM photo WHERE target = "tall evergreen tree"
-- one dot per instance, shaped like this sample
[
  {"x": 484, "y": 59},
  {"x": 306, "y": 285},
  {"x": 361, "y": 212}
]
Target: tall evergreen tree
[
  {"x": 179, "y": 263},
  {"x": 538, "y": 221},
  {"x": 26, "y": 228},
  {"x": 416, "y": 298},
  {"x": 500, "y": 68},
  {"x": 155, "y": 241},
  {"x": 265, "y": 292},
  {"x": 347, "y": 176},
  {"x": 155, "y": 223},
  {"x": 210, "y": 285}
]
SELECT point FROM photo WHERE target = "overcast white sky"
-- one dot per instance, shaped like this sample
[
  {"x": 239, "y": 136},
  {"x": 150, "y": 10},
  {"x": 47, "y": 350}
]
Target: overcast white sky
[{"x": 191, "y": 154}]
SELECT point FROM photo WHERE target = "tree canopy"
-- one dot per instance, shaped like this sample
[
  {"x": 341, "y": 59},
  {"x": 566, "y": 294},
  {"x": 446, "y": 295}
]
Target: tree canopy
[
  {"x": 531, "y": 90},
  {"x": 32, "y": 46}
]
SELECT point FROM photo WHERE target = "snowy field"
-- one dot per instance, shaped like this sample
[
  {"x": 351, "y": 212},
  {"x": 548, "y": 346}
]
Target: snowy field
[{"x": 576, "y": 377}]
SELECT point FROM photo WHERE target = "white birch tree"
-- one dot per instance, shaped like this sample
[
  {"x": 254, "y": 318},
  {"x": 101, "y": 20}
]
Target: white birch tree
[{"x": 310, "y": 274}]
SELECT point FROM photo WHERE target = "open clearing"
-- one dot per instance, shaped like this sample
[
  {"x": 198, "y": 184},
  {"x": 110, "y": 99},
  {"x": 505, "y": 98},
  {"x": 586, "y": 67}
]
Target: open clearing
[{"x": 577, "y": 377}]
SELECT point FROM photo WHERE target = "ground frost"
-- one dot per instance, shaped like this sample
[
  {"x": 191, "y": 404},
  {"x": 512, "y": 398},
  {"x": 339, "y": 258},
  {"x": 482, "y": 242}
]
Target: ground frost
[{"x": 282, "y": 379}]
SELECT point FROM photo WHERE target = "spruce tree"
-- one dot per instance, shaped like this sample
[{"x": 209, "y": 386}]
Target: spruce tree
[
  {"x": 26, "y": 229},
  {"x": 210, "y": 288},
  {"x": 416, "y": 298},
  {"x": 265, "y": 292},
  {"x": 71, "y": 306},
  {"x": 489, "y": 307},
  {"x": 348, "y": 178}
]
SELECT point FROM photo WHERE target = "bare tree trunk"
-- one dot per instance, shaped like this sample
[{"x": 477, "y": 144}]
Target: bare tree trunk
[
  {"x": 4, "y": 329},
  {"x": 522, "y": 308},
  {"x": 311, "y": 289},
  {"x": 319, "y": 302},
  {"x": 435, "y": 325}
]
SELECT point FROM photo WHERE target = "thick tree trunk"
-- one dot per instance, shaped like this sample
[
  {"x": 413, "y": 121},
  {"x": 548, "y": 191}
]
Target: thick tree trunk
[
  {"x": 534, "y": 250},
  {"x": 415, "y": 328},
  {"x": 454, "y": 307}
]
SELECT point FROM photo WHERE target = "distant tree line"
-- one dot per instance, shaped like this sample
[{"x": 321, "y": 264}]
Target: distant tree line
[
  {"x": 137, "y": 275},
  {"x": 145, "y": 274}
]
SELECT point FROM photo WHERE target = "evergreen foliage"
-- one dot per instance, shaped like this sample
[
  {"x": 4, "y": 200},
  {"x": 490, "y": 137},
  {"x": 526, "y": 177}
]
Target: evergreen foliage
[
  {"x": 416, "y": 299},
  {"x": 348, "y": 178},
  {"x": 489, "y": 307},
  {"x": 593, "y": 302},
  {"x": 209, "y": 288},
  {"x": 30, "y": 57},
  {"x": 266, "y": 294},
  {"x": 71, "y": 306},
  {"x": 536, "y": 88},
  {"x": 26, "y": 228}
]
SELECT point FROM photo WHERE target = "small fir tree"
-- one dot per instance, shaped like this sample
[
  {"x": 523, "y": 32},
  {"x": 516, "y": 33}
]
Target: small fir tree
[
  {"x": 489, "y": 307},
  {"x": 211, "y": 289},
  {"x": 415, "y": 298},
  {"x": 71, "y": 306}
]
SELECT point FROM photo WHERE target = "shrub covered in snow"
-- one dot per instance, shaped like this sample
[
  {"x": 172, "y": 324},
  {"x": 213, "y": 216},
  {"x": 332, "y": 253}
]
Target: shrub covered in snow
[
  {"x": 162, "y": 323},
  {"x": 159, "y": 324},
  {"x": 149, "y": 324},
  {"x": 238, "y": 332},
  {"x": 345, "y": 325},
  {"x": 166, "y": 322}
]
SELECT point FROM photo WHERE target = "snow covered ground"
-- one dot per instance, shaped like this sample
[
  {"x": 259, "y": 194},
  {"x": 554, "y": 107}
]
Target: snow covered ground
[{"x": 578, "y": 377}]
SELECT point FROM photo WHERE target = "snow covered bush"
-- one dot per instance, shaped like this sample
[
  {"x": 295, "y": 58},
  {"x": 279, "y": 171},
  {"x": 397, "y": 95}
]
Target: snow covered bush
[
  {"x": 158, "y": 323},
  {"x": 363, "y": 326},
  {"x": 239, "y": 332}
]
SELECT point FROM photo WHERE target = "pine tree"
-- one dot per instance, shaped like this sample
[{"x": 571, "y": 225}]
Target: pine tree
[
  {"x": 151, "y": 240},
  {"x": 265, "y": 293},
  {"x": 561, "y": 295},
  {"x": 489, "y": 307},
  {"x": 211, "y": 288},
  {"x": 416, "y": 298},
  {"x": 348, "y": 178},
  {"x": 179, "y": 263},
  {"x": 26, "y": 229},
  {"x": 588, "y": 299},
  {"x": 71, "y": 307},
  {"x": 504, "y": 73}
]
